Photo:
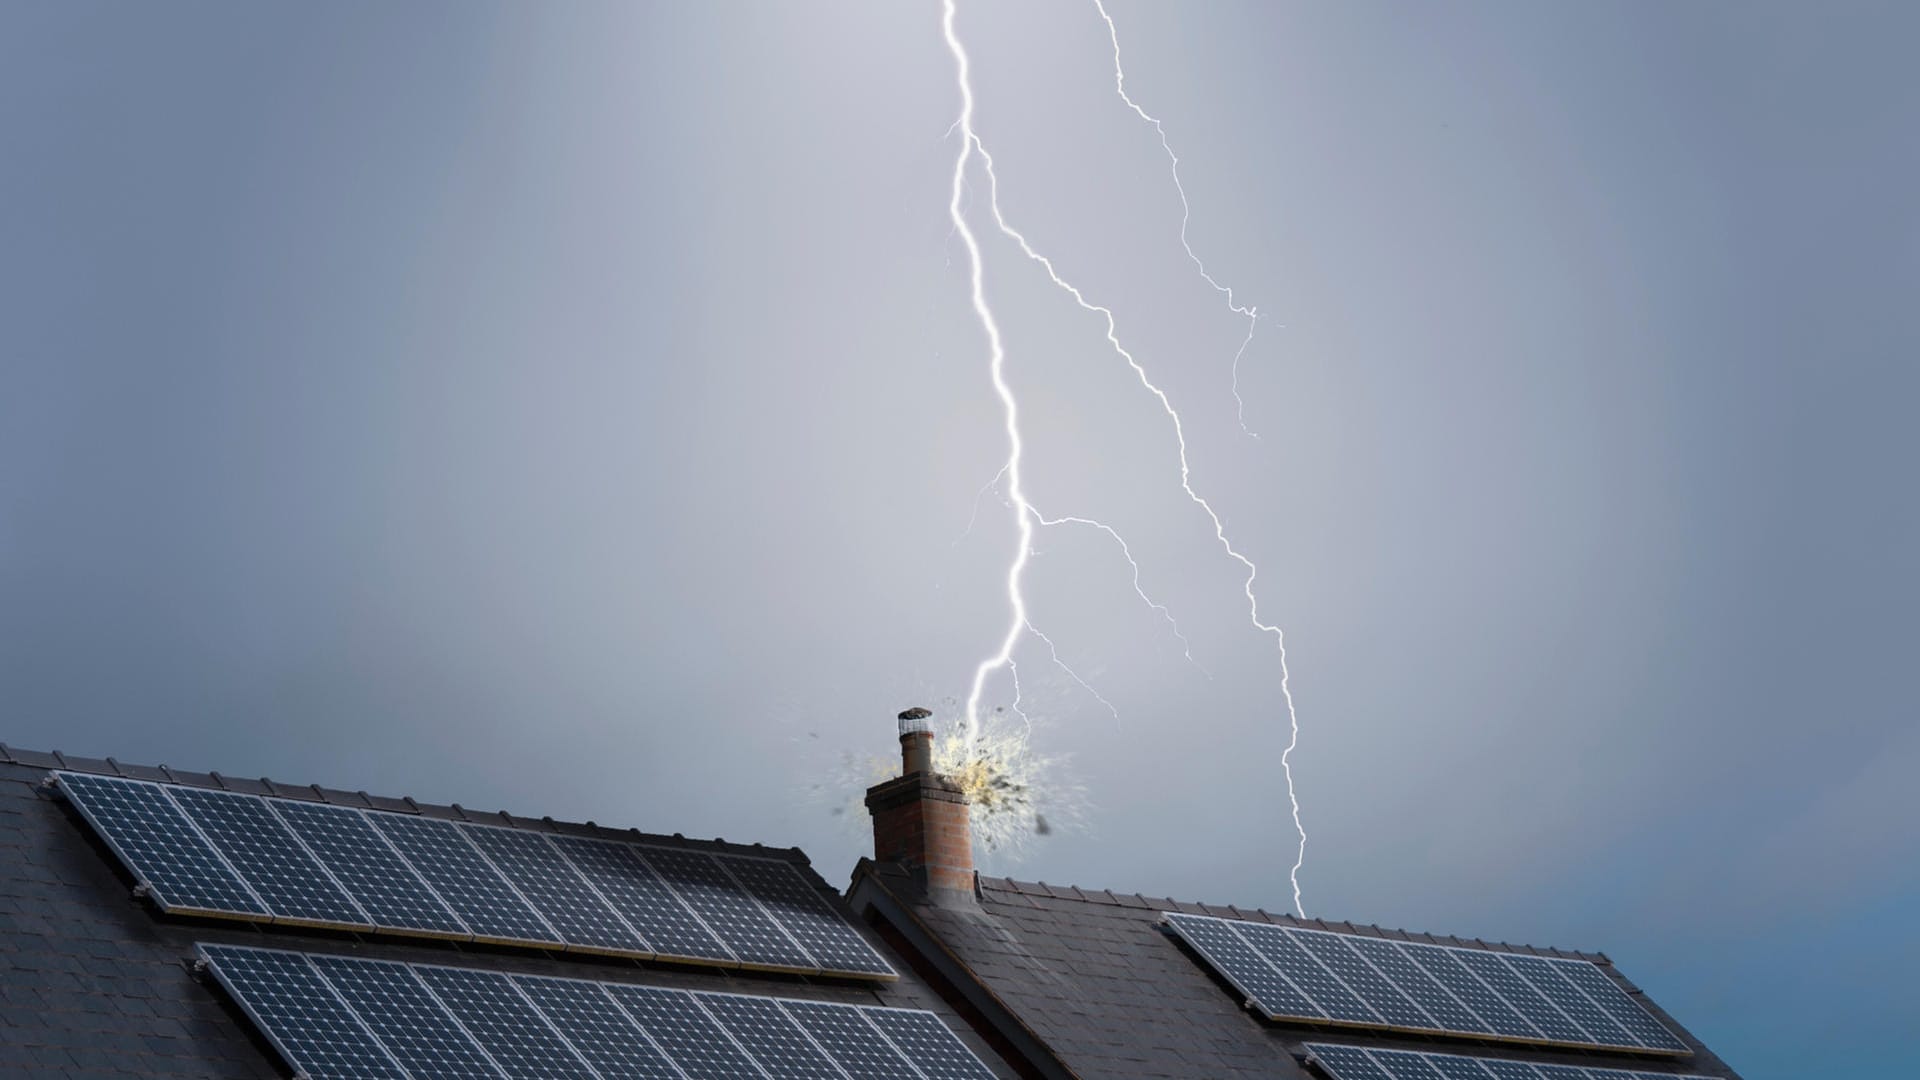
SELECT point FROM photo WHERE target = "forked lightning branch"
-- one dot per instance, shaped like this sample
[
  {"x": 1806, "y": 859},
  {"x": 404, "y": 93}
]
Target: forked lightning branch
[{"x": 1026, "y": 517}]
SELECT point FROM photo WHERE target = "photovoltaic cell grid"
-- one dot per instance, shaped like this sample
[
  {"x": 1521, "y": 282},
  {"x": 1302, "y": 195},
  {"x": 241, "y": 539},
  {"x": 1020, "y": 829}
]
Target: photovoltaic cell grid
[
  {"x": 340, "y": 1017},
  {"x": 1320, "y": 976},
  {"x": 206, "y": 852},
  {"x": 1360, "y": 1063}
]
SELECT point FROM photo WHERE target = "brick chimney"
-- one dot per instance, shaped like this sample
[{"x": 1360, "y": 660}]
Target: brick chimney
[{"x": 920, "y": 818}]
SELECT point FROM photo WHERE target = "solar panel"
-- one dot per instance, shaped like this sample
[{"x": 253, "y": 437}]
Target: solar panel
[
  {"x": 599, "y": 1029},
  {"x": 1222, "y": 945},
  {"x": 1336, "y": 1000},
  {"x": 780, "y": 1045},
  {"x": 469, "y": 884},
  {"x": 347, "y": 1016},
  {"x": 683, "y": 1029},
  {"x": 1606, "y": 993},
  {"x": 1458, "y": 1068},
  {"x": 1494, "y": 970},
  {"x": 1570, "y": 1000},
  {"x": 852, "y": 1040},
  {"x": 270, "y": 859},
  {"x": 1346, "y": 1062},
  {"x": 413, "y": 1025},
  {"x": 638, "y": 894},
  {"x": 179, "y": 868},
  {"x": 1510, "y": 1070},
  {"x": 375, "y": 875},
  {"x": 504, "y": 1023},
  {"x": 1323, "y": 976},
  {"x": 1354, "y": 1063},
  {"x": 311, "y": 1028},
  {"x": 1449, "y": 972},
  {"x": 807, "y": 918},
  {"x": 1395, "y": 964},
  {"x": 562, "y": 896},
  {"x": 934, "y": 1049},
  {"x": 735, "y": 916},
  {"x": 1375, "y": 989}
]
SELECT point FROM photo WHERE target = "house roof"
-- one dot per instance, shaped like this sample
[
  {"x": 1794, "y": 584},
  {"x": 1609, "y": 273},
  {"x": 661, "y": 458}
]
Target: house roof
[
  {"x": 95, "y": 982},
  {"x": 1093, "y": 978}
]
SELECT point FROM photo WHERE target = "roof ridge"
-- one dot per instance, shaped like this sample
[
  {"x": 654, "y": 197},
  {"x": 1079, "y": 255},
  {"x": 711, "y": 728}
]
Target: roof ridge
[{"x": 1109, "y": 898}]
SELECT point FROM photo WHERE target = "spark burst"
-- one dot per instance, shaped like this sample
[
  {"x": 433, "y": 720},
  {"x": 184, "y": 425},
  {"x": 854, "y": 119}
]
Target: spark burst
[{"x": 971, "y": 736}]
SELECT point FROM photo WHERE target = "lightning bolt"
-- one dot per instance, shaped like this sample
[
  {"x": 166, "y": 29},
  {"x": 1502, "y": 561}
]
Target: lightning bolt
[
  {"x": 1024, "y": 512},
  {"x": 1186, "y": 214}
]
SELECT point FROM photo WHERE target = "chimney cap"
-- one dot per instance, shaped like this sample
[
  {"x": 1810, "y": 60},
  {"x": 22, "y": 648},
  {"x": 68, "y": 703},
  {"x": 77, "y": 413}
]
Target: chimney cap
[{"x": 914, "y": 721}]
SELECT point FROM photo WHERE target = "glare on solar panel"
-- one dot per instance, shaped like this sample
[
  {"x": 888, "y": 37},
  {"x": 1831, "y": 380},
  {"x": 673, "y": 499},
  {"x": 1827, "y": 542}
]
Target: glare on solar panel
[
  {"x": 1440, "y": 1004},
  {"x": 1365, "y": 980},
  {"x": 1630, "y": 1014},
  {"x": 1541, "y": 1013},
  {"x": 1572, "y": 1001}
]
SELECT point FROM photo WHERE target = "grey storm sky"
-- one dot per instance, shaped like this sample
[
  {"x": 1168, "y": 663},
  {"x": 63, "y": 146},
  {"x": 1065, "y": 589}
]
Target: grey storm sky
[{"x": 576, "y": 409}]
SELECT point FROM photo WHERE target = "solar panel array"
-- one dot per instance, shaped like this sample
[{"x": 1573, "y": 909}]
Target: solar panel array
[
  {"x": 347, "y": 1018},
  {"x": 1323, "y": 977},
  {"x": 1360, "y": 1063},
  {"x": 219, "y": 853}
]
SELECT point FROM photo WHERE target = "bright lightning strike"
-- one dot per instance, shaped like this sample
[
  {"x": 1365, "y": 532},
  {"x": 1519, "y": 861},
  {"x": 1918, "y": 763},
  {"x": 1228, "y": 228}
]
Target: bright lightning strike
[
  {"x": 1024, "y": 512},
  {"x": 1186, "y": 214}
]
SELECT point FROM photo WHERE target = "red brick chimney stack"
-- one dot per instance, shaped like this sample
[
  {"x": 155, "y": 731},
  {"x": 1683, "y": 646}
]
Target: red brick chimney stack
[{"x": 920, "y": 818}]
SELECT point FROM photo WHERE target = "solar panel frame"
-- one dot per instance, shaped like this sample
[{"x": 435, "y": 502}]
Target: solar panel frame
[
  {"x": 851, "y": 1040},
  {"x": 504, "y": 1023},
  {"x": 459, "y": 874},
  {"x": 777, "y": 1043},
  {"x": 549, "y": 881},
  {"x": 405, "y": 1015},
  {"x": 1263, "y": 985},
  {"x": 599, "y": 1030},
  {"x": 930, "y": 1045},
  {"x": 298, "y": 889},
  {"x": 372, "y": 871},
  {"x": 208, "y": 885},
  {"x": 797, "y": 908},
  {"x": 747, "y": 929},
  {"x": 262, "y": 1000}
]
